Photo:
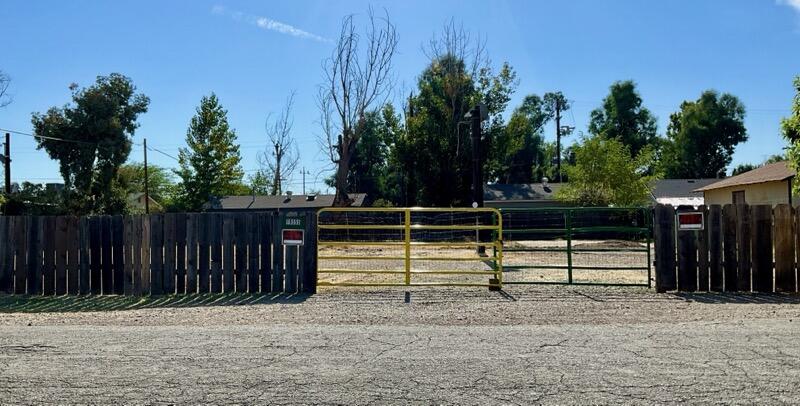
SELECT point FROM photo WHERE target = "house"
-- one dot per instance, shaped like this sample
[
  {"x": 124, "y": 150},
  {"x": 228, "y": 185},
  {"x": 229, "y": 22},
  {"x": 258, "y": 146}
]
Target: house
[
  {"x": 769, "y": 184},
  {"x": 136, "y": 203},
  {"x": 285, "y": 202},
  {"x": 521, "y": 195},
  {"x": 680, "y": 192}
]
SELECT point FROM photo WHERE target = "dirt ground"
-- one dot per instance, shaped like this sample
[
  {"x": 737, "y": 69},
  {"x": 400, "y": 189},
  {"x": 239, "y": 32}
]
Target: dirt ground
[
  {"x": 512, "y": 260},
  {"x": 524, "y": 345}
]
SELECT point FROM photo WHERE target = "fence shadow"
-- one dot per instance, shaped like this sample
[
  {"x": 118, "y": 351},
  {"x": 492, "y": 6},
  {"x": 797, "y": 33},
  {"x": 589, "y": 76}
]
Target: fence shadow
[
  {"x": 740, "y": 298},
  {"x": 94, "y": 303}
]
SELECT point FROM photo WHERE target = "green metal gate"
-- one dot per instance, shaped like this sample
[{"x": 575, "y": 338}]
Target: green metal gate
[{"x": 582, "y": 246}]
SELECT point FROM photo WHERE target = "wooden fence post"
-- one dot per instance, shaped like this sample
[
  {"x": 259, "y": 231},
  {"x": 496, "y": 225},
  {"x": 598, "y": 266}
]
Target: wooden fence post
[
  {"x": 762, "y": 248},
  {"x": 277, "y": 254},
  {"x": 34, "y": 259},
  {"x": 228, "y": 259},
  {"x": 192, "y": 234},
  {"x": 117, "y": 247},
  {"x": 48, "y": 256},
  {"x": 240, "y": 239},
  {"x": 687, "y": 260},
  {"x": 168, "y": 278},
  {"x": 266, "y": 234},
  {"x": 664, "y": 229},
  {"x": 308, "y": 279},
  {"x": 84, "y": 268},
  {"x": 215, "y": 237},
  {"x": 253, "y": 253},
  {"x": 180, "y": 253},
  {"x": 21, "y": 242},
  {"x": 784, "y": 248}
]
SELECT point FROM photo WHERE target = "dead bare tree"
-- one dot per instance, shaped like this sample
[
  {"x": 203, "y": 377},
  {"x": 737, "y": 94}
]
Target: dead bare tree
[
  {"x": 282, "y": 156},
  {"x": 357, "y": 76},
  {"x": 5, "y": 82}
]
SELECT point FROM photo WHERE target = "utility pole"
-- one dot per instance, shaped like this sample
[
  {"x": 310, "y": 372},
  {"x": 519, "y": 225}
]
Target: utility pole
[
  {"x": 558, "y": 140},
  {"x": 303, "y": 171},
  {"x": 146, "y": 182},
  {"x": 7, "y": 163}
]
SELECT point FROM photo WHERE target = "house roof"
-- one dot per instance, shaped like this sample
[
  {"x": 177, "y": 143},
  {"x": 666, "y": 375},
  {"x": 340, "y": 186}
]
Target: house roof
[
  {"x": 777, "y": 171},
  {"x": 249, "y": 202},
  {"x": 680, "y": 188},
  {"x": 520, "y": 191}
]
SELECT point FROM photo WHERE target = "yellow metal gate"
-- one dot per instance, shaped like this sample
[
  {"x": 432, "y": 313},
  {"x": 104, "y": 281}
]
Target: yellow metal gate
[{"x": 409, "y": 247}]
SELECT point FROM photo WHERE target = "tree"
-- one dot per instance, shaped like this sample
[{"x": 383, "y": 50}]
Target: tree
[
  {"x": 458, "y": 77},
  {"x": 160, "y": 182},
  {"x": 369, "y": 169},
  {"x": 624, "y": 118},
  {"x": 35, "y": 199},
  {"x": 260, "y": 183},
  {"x": 520, "y": 148},
  {"x": 210, "y": 166},
  {"x": 5, "y": 82},
  {"x": 742, "y": 168},
  {"x": 604, "y": 174},
  {"x": 702, "y": 136},
  {"x": 357, "y": 76},
  {"x": 791, "y": 132},
  {"x": 282, "y": 156},
  {"x": 99, "y": 127}
]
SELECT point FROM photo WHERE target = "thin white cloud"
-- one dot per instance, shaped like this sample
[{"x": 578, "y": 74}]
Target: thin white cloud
[
  {"x": 269, "y": 24},
  {"x": 795, "y": 4}
]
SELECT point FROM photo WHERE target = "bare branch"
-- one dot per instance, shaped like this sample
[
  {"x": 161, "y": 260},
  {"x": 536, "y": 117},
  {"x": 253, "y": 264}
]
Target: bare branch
[
  {"x": 5, "y": 82},
  {"x": 282, "y": 155},
  {"x": 357, "y": 76}
]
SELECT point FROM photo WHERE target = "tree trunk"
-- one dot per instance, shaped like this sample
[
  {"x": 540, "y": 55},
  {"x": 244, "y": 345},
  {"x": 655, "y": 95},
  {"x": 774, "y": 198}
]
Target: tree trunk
[{"x": 342, "y": 199}]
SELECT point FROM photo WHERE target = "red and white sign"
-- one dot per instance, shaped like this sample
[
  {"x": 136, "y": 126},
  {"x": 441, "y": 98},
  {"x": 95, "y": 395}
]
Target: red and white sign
[
  {"x": 690, "y": 221},
  {"x": 292, "y": 237}
]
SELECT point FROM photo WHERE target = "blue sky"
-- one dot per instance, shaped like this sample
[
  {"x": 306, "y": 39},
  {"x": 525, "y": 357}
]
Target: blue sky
[{"x": 253, "y": 54}]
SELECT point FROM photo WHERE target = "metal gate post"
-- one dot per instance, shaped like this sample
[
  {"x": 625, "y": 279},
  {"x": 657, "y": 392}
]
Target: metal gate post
[
  {"x": 569, "y": 245},
  {"x": 408, "y": 245}
]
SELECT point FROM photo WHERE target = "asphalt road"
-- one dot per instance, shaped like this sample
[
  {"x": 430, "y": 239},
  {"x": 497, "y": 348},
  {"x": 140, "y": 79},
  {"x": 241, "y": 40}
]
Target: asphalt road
[{"x": 558, "y": 346}]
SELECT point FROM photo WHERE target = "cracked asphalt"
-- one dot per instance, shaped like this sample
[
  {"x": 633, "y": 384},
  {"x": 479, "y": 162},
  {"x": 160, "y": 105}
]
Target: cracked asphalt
[{"x": 526, "y": 345}]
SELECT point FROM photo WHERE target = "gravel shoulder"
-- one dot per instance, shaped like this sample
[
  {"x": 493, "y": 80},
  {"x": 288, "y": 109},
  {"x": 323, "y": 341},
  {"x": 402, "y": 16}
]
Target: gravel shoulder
[{"x": 528, "y": 344}]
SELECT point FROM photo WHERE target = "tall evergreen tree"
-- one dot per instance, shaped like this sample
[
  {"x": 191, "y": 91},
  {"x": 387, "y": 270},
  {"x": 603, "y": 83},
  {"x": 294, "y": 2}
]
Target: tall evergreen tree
[{"x": 210, "y": 165}]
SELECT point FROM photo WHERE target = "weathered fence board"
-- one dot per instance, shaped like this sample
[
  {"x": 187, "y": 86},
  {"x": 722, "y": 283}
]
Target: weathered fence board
[
  {"x": 665, "y": 248},
  {"x": 156, "y": 254},
  {"x": 73, "y": 255},
  {"x": 170, "y": 252},
  {"x": 106, "y": 256},
  {"x": 147, "y": 253},
  {"x": 731, "y": 260},
  {"x": 743, "y": 240},
  {"x": 784, "y": 248},
  {"x": 277, "y": 254},
  {"x": 118, "y": 258},
  {"x": 5, "y": 255},
  {"x": 241, "y": 239},
  {"x": 291, "y": 269},
  {"x": 180, "y": 253},
  {"x": 687, "y": 260},
  {"x": 128, "y": 230},
  {"x": 228, "y": 259},
  {"x": 716, "y": 281},
  {"x": 702, "y": 253},
  {"x": 253, "y": 253},
  {"x": 48, "y": 256},
  {"x": 21, "y": 242},
  {"x": 34, "y": 259},
  {"x": 192, "y": 232},
  {"x": 215, "y": 234},
  {"x": 204, "y": 252},
  {"x": 84, "y": 276},
  {"x": 762, "y": 248}
]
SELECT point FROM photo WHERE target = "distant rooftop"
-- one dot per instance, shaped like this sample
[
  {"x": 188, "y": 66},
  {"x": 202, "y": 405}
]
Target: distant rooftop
[
  {"x": 777, "y": 171},
  {"x": 249, "y": 202},
  {"x": 520, "y": 191}
]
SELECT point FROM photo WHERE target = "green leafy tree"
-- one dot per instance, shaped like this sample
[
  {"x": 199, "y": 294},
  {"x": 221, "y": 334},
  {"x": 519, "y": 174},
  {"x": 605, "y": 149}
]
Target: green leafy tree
[
  {"x": 260, "y": 182},
  {"x": 438, "y": 138},
  {"x": 35, "y": 199},
  {"x": 702, "y": 136},
  {"x": 99, "y": 126},
  {"x": 624, "y": 118},
  {"x": 742, "y": 168},
  {"x": 369, "y": 166},
  {"x": 160, "y": 182},
  {"x": 210, "y": 165},
  {"x": 604, "y": 174},
  {"x": 791, "y": 132}
]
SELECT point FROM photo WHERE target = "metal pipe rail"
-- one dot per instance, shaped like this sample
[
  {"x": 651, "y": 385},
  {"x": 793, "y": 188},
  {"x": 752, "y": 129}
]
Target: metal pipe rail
[{"x": 406, "y": 241}]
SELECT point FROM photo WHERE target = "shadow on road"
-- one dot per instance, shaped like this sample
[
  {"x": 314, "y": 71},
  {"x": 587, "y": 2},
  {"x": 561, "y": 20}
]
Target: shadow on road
[{"x": 91, "y": 303}]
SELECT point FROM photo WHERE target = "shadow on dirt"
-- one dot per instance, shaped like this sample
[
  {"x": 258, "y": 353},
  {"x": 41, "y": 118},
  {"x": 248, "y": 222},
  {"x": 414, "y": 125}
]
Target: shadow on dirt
[
  {"x": 93, "y": 303},
  {"x": 742, "y": 298}
]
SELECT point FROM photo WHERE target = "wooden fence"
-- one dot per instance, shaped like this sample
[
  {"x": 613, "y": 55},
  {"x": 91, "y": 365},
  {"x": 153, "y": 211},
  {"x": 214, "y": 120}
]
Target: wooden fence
[
  {"x": 174, "y": 253},
  {"x": 740, "y": 249}
]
